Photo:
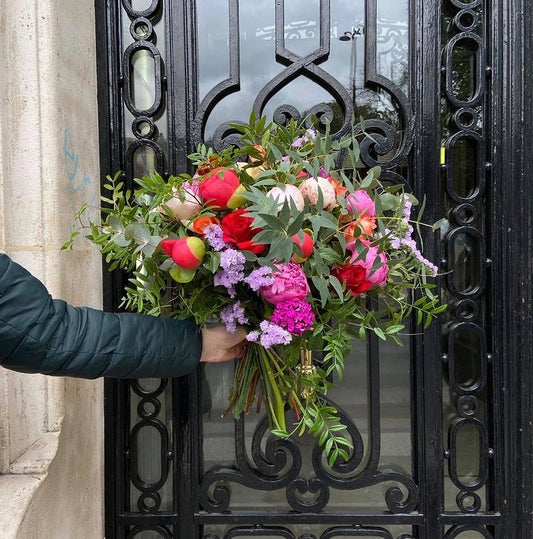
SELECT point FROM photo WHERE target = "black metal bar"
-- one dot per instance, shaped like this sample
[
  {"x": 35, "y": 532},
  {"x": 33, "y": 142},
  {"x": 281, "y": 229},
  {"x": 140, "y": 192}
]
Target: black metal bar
[
  {"x": 513, "y": 197},
  {"x": 427, "y": 395},
  {"x": 267, "y": 517}
]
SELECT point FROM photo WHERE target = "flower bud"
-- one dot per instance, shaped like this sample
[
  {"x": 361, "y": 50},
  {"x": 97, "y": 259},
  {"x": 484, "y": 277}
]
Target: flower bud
[{"x": 188, "y": 253}]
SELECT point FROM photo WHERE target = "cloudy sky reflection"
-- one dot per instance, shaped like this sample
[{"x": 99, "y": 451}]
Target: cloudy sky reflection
[{"x": 257, "y": 54}]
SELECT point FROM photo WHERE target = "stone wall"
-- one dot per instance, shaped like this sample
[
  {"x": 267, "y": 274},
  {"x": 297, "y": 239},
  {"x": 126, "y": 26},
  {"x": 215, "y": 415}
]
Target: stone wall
[{"x": 52, "y": 470}]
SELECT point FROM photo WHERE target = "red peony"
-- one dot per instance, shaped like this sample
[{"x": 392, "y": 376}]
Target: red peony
[
  {"x": 221, "y": 189},
  {"x": 354, "y": 277},
  {"x": 238, "y": 230}
]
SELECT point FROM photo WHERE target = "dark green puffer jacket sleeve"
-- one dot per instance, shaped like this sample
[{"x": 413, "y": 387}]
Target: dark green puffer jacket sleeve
[{"x": 41, "y": 335}]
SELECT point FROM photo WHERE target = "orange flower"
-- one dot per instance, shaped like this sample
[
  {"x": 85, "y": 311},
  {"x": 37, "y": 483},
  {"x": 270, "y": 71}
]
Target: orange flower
[
  {"x": 360, "y": 227},
  {"x": 199, "y": 224},
  {"x": 337, "y": 186}
]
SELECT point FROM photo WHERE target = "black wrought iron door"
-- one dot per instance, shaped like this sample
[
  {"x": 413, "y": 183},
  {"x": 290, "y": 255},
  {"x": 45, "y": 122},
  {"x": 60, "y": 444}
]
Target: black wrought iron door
[{"x": 431, "y": 422}]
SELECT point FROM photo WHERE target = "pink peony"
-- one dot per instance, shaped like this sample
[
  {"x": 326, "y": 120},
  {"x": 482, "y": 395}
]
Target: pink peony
[
  {"x": 185, "y": 201},
  {"x": 377, "y": 277},
  {"x": 290, "y": 283},
  {"x": 359, "y": 201}
]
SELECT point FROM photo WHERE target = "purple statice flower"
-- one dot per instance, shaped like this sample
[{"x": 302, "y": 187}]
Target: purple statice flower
[
  {"x": 408, "y": 242},
  {"x": 296, "y": 316},
  {"x": 297, "y": 143},
  {"x": 232, "y": 272},
  {"x": 260, "y": 277},
  {"x": 233, "y": 315},
  {"x": 286, "y": 159},
  {"x": 232, "y": 260},
  {"x": 213, "y": 234},
  {"x": 272, "y": 335},
  {"x": 308, "y": 136},
  {"x": 253, "y": 336}
]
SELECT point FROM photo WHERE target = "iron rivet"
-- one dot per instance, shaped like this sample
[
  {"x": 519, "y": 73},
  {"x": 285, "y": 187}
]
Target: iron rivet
[
  {"x": 127, "y": 453},
  {"x": 446, "y": 454},
  {"x": 443, "y": 263},
  {"x": 489, "y": 357},
  {"x": 170, "y": 455},
  {"x": 488, "y": 166},
  {"x": 488, "y": 261},
  {"x": 444, "y": 358},
  {"x": 443, "y": 70},
  {"x": 491, "y": 452},
  {"x": 444, "y": 167},
  {"x": 488, "y": 71}
]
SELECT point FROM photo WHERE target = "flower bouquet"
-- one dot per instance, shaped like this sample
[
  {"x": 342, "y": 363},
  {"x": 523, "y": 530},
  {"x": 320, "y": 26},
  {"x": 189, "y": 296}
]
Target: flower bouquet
[{"x": 289, "y": 236}]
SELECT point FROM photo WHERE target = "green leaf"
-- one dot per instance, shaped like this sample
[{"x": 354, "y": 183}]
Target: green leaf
[
  {"x": 274, "y": 222},
  {"x": 441, "y": 223},
  {"x": 322, "y": 286},
  {"x": 296, "y": 225},
  {"x": 337, "y": 286},
  {"x": 389, "y": 201},
  {"x": 380, "y": 334}
]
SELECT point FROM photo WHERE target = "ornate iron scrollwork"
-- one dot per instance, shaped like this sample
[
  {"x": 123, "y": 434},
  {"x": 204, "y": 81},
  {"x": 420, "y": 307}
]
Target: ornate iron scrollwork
[
  {"x": 148, "y": 409},
  {"x": 144, "y": 125},
  {"x": 466, "y": 167},
  {"x": 280, "y": 464},
  {"x": 335, "y": 532}
]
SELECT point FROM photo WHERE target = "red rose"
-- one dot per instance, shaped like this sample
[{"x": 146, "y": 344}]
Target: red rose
[
  {"x": 354, "y": 277},
  {"x": 238, "y": 230}
]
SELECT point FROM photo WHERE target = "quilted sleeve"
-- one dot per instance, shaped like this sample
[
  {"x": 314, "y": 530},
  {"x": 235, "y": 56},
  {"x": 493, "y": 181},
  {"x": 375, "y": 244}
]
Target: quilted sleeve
[{"x": 41, "y": 335}]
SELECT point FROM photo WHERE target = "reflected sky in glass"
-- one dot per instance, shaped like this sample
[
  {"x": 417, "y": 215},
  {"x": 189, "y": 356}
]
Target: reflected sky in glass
[{"x": 258, "y": 65}]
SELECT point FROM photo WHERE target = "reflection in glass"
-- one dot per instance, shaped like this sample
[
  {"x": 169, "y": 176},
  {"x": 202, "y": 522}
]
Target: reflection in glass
[
  {"x": 144, "y": 161},
  {"x": 393, "y": 42},
  {"x": 142, "y": 76},
  {"x": 258, "y": 65},
  {"x": 467, "y": 357},
  {"x": 464, "y": 66},
  {"x": 466, "y": 263},
  {"x": 464, "y": 157},
  {"x": 468, "y": 439}
]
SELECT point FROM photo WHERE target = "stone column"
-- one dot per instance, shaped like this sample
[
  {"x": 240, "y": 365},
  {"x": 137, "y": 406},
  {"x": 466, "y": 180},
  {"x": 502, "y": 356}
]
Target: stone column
[{"x": 52, "y": 468}]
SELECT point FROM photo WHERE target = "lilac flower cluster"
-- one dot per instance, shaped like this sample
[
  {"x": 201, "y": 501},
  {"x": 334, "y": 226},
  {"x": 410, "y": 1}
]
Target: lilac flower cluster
[
  {"x": 232, "y": 272},
  {"x": 270, "y": 335},
  {"x": 214, "y": 235},
  {"x": 408, "y": 242},
  {"x": 309, "y": 136},
  {"x": 260, "y": 277},
  {"x": 233, "y": 315},
  {"x": 296, "y": 316}
]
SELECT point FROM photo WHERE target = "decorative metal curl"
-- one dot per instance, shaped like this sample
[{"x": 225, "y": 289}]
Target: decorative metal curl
[{"x": 276, "y": 468}]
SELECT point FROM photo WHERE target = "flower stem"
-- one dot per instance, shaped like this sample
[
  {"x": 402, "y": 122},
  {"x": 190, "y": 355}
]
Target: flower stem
[{"x": 276, "y": 404}]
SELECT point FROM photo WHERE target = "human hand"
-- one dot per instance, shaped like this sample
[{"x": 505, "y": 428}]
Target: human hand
[{"x": 218, "y": 344}]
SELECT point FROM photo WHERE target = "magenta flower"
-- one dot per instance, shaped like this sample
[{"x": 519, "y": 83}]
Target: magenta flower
[
  {"x": 376, "y": 270},
  {"x": 289, "y": 283},
  {"x": 296, "y": 316},
  {"x": 360, "y": 202}
]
